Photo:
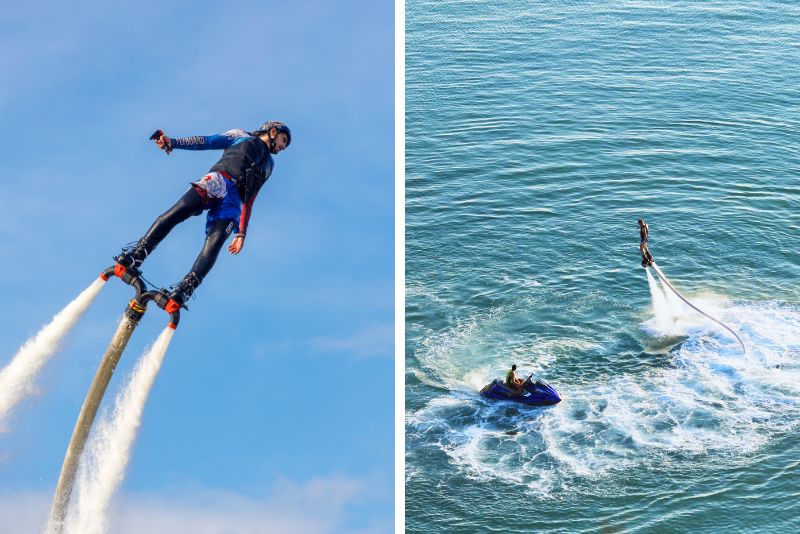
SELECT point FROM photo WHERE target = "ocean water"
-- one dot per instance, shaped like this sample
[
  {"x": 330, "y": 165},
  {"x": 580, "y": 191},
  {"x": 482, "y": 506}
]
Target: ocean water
[{"x": 537, "y": 133}]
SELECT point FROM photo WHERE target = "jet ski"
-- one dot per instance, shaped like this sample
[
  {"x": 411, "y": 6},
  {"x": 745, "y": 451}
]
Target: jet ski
[{"x": 536, "y": 393}]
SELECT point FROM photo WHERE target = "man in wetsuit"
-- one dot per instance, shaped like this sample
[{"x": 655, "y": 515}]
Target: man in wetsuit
[
  {"x": 513, "y": 382},
  {"x": 227, "y": 192},
  {"x": 644, "y": 233}
]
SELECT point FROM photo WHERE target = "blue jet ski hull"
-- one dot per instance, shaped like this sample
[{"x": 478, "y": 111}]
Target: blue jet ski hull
[{"x": 538, "y": 393}]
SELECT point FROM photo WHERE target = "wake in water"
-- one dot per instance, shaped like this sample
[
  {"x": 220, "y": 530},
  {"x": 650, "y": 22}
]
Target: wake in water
[
  {"x": 108, "y": 451},
  {"x": 16, "y": 379},
  {"x": 709, "y": 399}
]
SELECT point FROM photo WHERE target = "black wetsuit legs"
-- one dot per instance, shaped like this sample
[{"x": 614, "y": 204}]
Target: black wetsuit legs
[
  {"x": 191, "y": 203},
  {"x": 215, "y": 240}
]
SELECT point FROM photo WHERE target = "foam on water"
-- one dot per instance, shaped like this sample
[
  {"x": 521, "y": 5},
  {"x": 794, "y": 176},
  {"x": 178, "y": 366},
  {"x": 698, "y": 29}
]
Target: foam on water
[
  {"x": 712, "y": 400},
  {"x": 476, "y": 340}
]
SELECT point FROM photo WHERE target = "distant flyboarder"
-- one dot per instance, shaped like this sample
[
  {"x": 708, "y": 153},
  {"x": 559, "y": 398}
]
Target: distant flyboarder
[
  {"x": 227, "y": 192},
  {"x": 644, "y": 233}
]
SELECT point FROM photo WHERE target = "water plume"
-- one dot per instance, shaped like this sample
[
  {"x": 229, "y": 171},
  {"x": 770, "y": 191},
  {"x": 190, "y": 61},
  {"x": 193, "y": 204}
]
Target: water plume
[
  {"x": 662, "y": 310},
  {"x": 108, "y": 452},
  {"x": 16, "y": 379},
  {"x": 695, "y": 308},
  {"x": 676, "y": 306}
]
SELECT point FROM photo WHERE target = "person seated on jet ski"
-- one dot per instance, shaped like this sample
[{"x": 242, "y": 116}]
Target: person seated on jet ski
[
  {"x": 644, "y": 233},
  {"x": 513, "y": 382}
]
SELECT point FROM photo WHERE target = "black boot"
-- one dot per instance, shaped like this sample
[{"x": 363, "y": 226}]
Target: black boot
[
  {"x": 184, "y": 289},
  {"x": 133, "y": 255}
]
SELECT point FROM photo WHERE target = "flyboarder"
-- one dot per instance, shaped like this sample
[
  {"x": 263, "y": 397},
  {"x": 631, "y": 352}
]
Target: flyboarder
[
  {"x": 227, "y": 192},
  {"x": 644, "y": 233}
]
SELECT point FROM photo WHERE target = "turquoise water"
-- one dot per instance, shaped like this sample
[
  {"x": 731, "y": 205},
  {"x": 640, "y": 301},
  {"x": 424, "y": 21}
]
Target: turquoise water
[{"x": 537, "y": 133}]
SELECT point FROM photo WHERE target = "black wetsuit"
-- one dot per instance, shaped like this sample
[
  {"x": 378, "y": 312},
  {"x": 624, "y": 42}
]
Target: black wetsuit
[
  {"x": 247, "y": 162},
  {"x": 191, "y": 203}
]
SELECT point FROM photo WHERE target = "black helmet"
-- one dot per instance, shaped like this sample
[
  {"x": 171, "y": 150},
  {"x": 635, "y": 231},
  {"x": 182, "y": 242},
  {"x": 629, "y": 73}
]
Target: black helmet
[{"x": 282, "y": 128}]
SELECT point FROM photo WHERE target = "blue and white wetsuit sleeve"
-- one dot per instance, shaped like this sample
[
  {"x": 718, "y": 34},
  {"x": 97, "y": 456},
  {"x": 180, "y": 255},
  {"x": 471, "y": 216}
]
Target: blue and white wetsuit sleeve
[{"x": 211, "y": 142}]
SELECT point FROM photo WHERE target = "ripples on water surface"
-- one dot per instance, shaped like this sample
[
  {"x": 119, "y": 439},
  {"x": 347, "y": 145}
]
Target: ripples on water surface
[{"x": 537, "y": 133}]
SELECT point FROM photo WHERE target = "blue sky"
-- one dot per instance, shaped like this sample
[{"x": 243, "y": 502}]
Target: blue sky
[{"x": 275, "y": 401}]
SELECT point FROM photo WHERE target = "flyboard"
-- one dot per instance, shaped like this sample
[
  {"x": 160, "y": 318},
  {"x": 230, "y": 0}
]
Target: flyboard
[
  {"x": 134, "y": 311},
  {"x": 695, "y": 308}
]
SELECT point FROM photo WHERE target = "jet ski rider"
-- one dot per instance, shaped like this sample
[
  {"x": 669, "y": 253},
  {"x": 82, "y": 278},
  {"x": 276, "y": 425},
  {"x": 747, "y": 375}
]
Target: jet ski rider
[{"x": 513, "y": 382}]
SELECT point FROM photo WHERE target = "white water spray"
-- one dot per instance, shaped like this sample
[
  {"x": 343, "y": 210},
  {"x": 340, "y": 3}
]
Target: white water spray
[
  {"x": 661, "y": 309},
  {"x": 698, "y": 310},
  {"x": 108, "y": 452},
  {"x": 676, "y": 306},
  {"x": 16, "y": 379}
]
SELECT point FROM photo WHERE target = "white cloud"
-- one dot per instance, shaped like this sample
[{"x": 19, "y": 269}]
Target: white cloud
[
  {"x": 319, "y": 506},
  {"x": 24, "y": 513},
  {"x": 375, "y": 341}
]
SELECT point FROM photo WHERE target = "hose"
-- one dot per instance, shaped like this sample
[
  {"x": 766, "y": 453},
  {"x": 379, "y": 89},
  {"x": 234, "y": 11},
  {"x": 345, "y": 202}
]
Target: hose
[{"x": 726, "y": 327}]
